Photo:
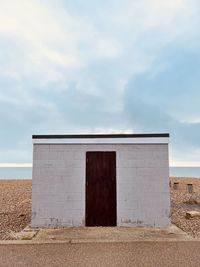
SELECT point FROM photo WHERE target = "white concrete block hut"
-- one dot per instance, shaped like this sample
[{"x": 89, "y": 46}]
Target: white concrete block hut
[{"x": 100, "y": 180}]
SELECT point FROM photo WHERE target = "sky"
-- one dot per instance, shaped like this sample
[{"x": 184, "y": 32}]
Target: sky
[{"x": 108, "y": 66}]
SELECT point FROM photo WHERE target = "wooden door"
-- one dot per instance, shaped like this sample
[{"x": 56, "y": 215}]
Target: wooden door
[{"x": 101, "y": 189}]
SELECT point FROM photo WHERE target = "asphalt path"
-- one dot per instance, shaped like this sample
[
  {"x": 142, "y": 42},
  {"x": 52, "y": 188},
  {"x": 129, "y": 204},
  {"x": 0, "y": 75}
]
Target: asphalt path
[{"x": 147, "y": 253}]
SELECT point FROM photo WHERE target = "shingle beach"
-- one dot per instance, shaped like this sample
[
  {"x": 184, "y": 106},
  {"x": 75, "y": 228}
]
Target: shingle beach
[{"x": 15, "y": 208}]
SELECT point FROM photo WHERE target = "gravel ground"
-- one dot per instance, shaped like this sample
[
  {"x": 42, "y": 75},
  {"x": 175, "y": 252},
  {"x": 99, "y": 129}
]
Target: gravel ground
[
  {"x": 15, "y": 208},
  {"x": 182, "y": 202}
]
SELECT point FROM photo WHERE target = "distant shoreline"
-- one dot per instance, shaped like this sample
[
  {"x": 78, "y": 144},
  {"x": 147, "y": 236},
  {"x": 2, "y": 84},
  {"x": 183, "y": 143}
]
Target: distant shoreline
[
  {"x": 26, "y": 173},
  {"x": 30, "y": 179}
]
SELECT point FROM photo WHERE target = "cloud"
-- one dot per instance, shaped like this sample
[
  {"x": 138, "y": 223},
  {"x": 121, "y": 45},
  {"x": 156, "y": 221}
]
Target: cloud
[
  {"x": 74, "y": 66},
  {"x": 52, "y": 41},
  {"x": 167, "y": 101}
]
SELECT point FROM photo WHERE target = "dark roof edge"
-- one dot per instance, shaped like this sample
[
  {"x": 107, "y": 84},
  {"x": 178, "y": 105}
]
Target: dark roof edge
[{"x": 74, "y": 136}]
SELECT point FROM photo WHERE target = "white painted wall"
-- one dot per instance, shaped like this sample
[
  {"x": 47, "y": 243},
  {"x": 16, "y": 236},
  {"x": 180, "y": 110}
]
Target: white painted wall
[{"x": 58, "y": 195}]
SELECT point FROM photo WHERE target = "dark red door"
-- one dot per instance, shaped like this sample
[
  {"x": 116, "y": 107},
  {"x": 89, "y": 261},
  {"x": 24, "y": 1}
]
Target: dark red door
[{"x": 101, "y": 189}]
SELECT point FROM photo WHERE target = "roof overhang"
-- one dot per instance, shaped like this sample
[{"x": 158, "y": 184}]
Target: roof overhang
[{"x": 162, "y": 138}]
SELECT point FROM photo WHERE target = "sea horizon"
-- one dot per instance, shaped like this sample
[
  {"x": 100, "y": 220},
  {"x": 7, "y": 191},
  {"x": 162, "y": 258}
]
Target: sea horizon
[{"x": 24, "y": 173}]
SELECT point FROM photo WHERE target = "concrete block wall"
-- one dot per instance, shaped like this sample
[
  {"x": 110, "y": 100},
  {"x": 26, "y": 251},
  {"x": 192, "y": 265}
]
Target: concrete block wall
[{"x": 58, "y": 195}]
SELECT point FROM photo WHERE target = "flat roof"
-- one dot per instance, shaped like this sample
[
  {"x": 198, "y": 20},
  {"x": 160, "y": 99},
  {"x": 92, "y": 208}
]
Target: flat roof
[
  {"x": 154, "y": 138},
  {"x": 78, "y": 136}
]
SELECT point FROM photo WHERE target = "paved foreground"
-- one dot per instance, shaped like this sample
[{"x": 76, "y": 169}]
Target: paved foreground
[{"x": 150, "y": 254}]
